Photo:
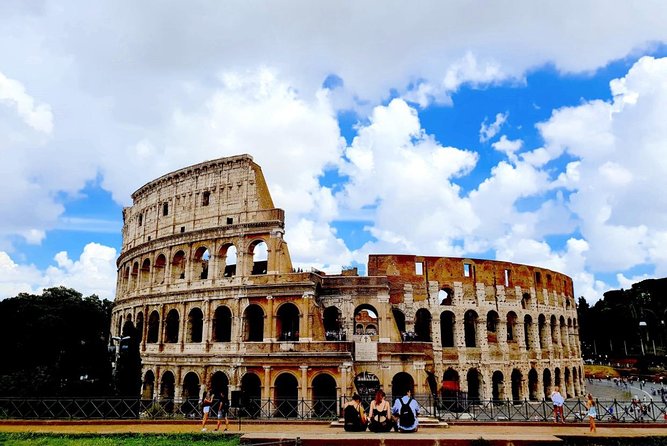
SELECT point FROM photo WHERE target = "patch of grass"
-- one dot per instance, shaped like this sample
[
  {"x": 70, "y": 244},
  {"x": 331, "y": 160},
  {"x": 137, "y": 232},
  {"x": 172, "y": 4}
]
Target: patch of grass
[{"x": 30, "y": 439}]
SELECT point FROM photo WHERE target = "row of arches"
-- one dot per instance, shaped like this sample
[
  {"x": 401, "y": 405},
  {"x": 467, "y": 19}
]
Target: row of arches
[{"x": 200, "y": 265}]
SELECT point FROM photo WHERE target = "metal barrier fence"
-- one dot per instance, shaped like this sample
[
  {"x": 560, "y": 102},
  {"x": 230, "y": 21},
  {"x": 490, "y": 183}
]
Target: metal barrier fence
[{"x": 444, "y": 409}]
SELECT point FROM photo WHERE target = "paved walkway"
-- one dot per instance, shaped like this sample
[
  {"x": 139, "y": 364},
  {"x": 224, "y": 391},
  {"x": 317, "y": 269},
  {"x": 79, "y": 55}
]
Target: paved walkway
[{"x": 322, "y": 433}]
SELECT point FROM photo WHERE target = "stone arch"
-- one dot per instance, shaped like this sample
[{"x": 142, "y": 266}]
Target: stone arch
[
  {"x": 220, "y": 384},
  {"x": 517, "y": 385},
  {"x": 497, "y": 386},
  {"x": 228, "y": 258},
  {"x": 195, "y": 326},
  {"x": 171, "y": 327},
  {"x": 259, "y": 253},
  {"x": 200, "y": 263},
  {"x": 286, "y": 395},
  {"x": 287, "y": 322},
  {"x": 400, "y": 384},
  {"x": 145, "y": 273},
  {"x": 153, "y": 327},
  {"x": 445, "y": 296},
  {"x": 423, "y": 325},
  {"x": 470, "y": 328},
  {"x": 333, "y": 324},
  {"x": 448, "y": 329},
  {"x": 148, "y": 385},
  {"x": 178, "y": 266},
  {"x": 324, "y": 395},
  {"x": 365, "y": 315},
  {"x": 159, "y": 267},
  {"x": 546, "y": 382},
  {"x": 474, "y": 380},
  {"x": 222, "y": 324},
  {"x": 511, "y": 326},
  {"x": 253, "y": 323},
  {"x": 533, "y": 385}
]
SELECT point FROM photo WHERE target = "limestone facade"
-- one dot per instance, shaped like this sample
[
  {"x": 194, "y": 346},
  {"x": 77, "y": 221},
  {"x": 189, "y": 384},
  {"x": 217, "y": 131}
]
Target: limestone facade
[{"x": 205, "y": 278}]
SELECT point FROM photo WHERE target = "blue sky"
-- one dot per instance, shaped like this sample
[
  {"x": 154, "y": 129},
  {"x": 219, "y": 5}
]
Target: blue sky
[{"x": 433, "y": 129}]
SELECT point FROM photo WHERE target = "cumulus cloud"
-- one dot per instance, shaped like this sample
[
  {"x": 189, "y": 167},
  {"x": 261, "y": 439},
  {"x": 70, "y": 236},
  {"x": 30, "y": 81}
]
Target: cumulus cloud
[{"x": 94, "y": 272}]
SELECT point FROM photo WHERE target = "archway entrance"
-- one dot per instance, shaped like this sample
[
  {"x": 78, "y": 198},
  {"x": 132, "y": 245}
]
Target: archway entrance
[
  {"x": 498, "y": 386},
  {"x": 286, "y": 396},
  {"x": 324, "y": 396},
  {"x": 400, "y": 384},
  {"x": 251, "y": 395}
]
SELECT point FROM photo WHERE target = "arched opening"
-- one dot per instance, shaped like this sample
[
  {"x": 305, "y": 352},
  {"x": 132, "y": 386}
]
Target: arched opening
[
  {"x": 153, "y": 327},
  {"x": 135, "y": 275},
  {"x": 517, "y": 379},
  {"x": 148, "y": 386},
  {"x": 498, "y": 386},
  {"x": 324, "y": 396},
  {"x": 195, "y": 325},
  {"x": 178, "y": 266},
  {"x": 568, "y": 383},
  {"x": 251, "y": 391},
  {"x": 167, "y": 389},
  {"x": 399, "y": 319},
  {"x": 286, "y": 395},
  {"x": 190, "y": 393},
  {"x": 333, "y": 329},
  {"x": 492, "y": 320},
  {"x": 525, "y": 301},
  {"x": 220, "y": 385},
  {"x": 470, "y": 328},
  {"x": 171, "y": 327},
  {"x": 533, "y": 385},
  {"x": 365, "y": 316},
  {"x": 542, "y": 327},
  {"x": 546, "y": 382},
  {"x": 222, "y": 324},
  {"x": 474, "y": 380},
  {"x": 528, "y": 332},
  {"x": 145, "y": 272},
  {"x": 287, "y": 322},
  {"x": 227, "y": 257},
  {"x": 140, "y": 327},
  {"x": 447, "y": 327},
  {"x": 445, "y": 296},
  {"x": 423, "y": 325},
  {"x": 201, "y": 259},
  {"x": 366, "y": 384},
  {"x": 253, "y": 323},
  {"x": 159, "y": 267},
  {"x": 260, "y": 257},
  {"x": 400, "y": 384},
  {"x": 511, "y": 326}
]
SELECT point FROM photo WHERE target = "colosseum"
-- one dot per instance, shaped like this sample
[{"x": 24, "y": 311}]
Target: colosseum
[{"x": 206, "y": 280}]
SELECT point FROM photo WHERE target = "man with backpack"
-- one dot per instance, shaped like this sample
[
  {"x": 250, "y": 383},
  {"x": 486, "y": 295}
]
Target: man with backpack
[{"x": 405, "y": 410}]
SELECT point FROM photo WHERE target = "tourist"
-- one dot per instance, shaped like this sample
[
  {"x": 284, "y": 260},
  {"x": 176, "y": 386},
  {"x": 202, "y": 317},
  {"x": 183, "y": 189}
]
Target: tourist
[
  {"x": 354, "y": 416},
  {"x": 558, "y": 401},
  {"x": 405, "y": 411},
  {"x": 592, "y": 412},
  {"x": 380, "y": 410},
  {"x": 223, "y": 412},
  {"x": 206, "y": 405}
]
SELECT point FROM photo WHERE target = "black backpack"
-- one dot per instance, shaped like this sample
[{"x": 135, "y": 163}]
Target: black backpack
[
  {"x": 352, "y": 416},
  {"x": 406, "y": 416}
]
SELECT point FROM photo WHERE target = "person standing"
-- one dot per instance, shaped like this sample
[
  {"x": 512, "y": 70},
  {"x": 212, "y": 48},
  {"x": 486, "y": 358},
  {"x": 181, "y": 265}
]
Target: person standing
[
  {"x": 206, "y": 408},
  {"x": 558, "y": 401},
  {"x": 380, "y": 410},
  {"x": 592, "y": 412},
  {"x": 223, "y": 412},
  {"x": 405, "y": 410}
]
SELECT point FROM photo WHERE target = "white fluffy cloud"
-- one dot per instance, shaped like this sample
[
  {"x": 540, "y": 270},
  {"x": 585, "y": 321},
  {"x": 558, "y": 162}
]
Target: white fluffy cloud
[{"x": 93, "y": 273}]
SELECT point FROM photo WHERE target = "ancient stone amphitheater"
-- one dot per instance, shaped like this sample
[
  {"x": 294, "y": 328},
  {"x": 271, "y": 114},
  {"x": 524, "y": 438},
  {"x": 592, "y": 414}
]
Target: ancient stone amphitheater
[{"x": 205, "y": 278}]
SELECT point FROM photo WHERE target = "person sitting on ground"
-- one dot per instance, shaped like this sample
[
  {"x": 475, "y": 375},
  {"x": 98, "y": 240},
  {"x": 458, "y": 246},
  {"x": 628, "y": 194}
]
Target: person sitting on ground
[
  {"x": 405, "y": 410},
  {"x": 354, "y": 416},
  {"x": 380, "y": 410}
]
